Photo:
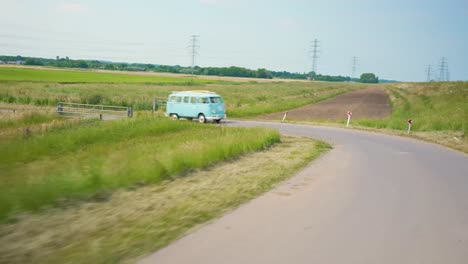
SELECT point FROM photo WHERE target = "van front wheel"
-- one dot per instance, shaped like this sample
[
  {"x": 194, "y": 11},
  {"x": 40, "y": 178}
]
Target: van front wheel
[
  {"x": 201, "y": 118},
  {"x": 174, "y": 116}
]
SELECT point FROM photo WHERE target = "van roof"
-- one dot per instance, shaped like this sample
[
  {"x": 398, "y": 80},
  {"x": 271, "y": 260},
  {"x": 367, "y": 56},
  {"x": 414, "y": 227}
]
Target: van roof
[{"x": 195, "y": 92}]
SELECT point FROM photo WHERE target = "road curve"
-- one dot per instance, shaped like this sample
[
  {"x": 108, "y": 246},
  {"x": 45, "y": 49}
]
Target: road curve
[{"x": 372, "y": 199}]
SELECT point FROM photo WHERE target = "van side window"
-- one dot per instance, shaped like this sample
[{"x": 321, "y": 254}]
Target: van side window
[
  {"x": 193, "y": 100},
  {"x": 204, "y": 100},
  {"x": 216, "y": 100},
  {"x": 172, "y": 99},
  {"x": 178, "y": 99},
  {"x": 186, "y": 99}
]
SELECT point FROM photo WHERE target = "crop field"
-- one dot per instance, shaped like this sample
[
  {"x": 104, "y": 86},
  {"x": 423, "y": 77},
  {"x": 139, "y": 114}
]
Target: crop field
[
  {"x": 439, "y": 112},
  {"x": 70, "y": 76},
  {"x": 431, "y": 106},
  {"x": 93, "y": 191},
  {"x": 243, "y": 99}
]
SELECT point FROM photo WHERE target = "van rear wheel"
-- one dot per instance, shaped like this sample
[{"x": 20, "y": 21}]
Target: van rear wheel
[
  {"x": 174, "y": 116},
  {"x": 201, "y": 118}
]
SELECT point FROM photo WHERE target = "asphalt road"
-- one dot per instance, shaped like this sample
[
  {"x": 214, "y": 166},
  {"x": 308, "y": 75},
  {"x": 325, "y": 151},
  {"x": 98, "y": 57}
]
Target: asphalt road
[{"x": 372, "y": 199}]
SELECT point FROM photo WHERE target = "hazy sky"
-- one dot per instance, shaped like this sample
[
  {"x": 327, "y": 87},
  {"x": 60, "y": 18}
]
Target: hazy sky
[{"x": 395, "y": 39}]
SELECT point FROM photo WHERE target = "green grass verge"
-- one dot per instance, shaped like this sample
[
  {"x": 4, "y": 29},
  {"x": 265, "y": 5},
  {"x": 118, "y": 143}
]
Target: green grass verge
[
  {"x": 135, "y": 222},
  {"x": 91, "y": 158}
]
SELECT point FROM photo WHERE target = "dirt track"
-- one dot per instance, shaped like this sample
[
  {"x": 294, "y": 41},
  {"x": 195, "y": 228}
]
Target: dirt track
[{"x": 371, "y": 102}]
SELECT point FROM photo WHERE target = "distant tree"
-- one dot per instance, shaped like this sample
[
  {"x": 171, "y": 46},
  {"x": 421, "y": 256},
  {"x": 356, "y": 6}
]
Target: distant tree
[
  {"x": 82, "y": 64},
  {"x": 331, "y": 78},
  {"x": 122, "y": 66},
  {"x": 368, "y": 78},
  {"x": 109, "y": 67},
  {"x": 289, "y": 75},
  {"x": 263, "y": 73},
  {"x": 33, "y": 61},
  {"x": 311, "y": 74},
  {"x": 235, "y": 71}
]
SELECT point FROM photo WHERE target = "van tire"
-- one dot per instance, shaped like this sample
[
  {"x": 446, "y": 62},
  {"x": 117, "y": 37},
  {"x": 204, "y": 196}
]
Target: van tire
[
  {"x": 218, "y": 121},
  {"x": 174, "y": 117},
  {"x": 201, "y": 118}
]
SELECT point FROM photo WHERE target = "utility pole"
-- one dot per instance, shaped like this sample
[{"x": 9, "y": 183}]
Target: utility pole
[
  {"x": 314, "y": 52},
  {"x": 429, "y": 73},
  {"x": 193, "y": 46},
  {"x": 354, "y": 63},
  {"x": 443, "y": 69}
]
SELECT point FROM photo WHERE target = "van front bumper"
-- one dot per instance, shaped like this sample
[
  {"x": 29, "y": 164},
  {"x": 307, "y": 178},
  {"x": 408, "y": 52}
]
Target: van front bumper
[{"x": 215, "y": 117}]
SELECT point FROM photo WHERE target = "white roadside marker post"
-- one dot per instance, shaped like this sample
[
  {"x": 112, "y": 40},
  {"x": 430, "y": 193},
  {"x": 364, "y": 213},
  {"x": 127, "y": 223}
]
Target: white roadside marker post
[
  {"x": 349, "y": 117},
  {"x": 284, "y": 117},
  {"x": 410, "y": 122}
]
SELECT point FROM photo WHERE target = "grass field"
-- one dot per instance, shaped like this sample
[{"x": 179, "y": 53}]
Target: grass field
[
  {"x": 90, "y": 158},
  {"x": 243, "y": 99},
  {"x": 73, "y": 76},
  {"x": 26, "y": 119},
  {"x": 431, "y": 106},
  {"x": 137, "y": 221},
  {"x": 105, "y": 192}
]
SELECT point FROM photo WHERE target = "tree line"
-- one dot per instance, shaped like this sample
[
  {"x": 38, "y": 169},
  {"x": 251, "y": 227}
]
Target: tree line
[{"x": 233, "y": 71}]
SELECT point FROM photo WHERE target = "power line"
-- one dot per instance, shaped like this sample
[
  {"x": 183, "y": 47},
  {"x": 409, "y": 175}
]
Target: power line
[
  {"x": 354, "y": 63},
  {"x": 314, "y": 52},
  {"x": 194, "y": 45}
]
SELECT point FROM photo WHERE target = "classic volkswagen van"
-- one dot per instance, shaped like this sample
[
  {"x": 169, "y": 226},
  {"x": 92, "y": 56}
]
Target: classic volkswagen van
[{"x": 202, "y": 105}]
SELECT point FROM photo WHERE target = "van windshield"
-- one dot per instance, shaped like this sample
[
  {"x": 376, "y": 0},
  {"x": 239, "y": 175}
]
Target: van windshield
[{"x": 216, "y": 100}]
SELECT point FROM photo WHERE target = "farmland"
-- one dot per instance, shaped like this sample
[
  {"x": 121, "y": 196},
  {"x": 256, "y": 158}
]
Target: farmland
[
  {"x": 432, "y": 106},
  {"x": 93, "y": 191},
  {"x": 439, "y": 112},
  {"x": 88, "y": 185},
  {"x": 64, "y": 76},
  {"x": 243, "y": 99}
]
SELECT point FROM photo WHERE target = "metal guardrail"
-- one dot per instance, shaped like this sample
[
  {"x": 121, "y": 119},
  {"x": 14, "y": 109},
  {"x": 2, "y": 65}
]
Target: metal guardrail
[
  {"x": 93, "y": 111},
  {"x": 158, "y": 102}
]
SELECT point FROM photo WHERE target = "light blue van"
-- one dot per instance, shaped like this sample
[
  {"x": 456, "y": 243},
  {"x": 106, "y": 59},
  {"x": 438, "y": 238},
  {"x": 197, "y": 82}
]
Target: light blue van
[{"x": 202, "y": 105}]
